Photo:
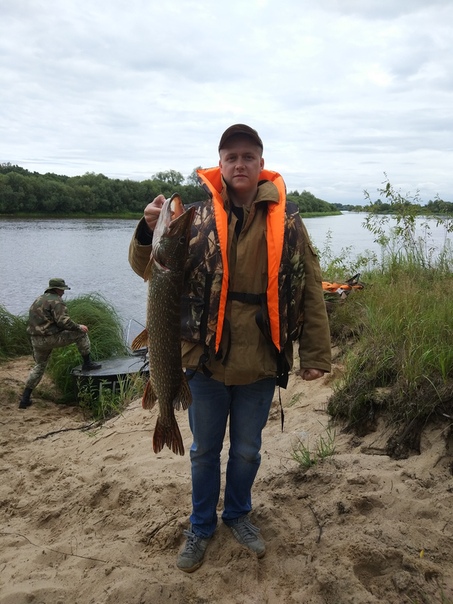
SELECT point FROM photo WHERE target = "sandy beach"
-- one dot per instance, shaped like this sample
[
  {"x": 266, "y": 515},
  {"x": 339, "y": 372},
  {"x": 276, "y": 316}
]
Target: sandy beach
[{"x": 93, "y": 516}]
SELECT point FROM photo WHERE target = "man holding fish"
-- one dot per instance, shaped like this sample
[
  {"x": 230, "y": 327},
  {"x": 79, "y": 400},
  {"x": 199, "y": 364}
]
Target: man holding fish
[{"x": 250, "y": 294}]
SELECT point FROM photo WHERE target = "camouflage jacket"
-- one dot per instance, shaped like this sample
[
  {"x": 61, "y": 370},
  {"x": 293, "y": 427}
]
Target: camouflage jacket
[
  {"x": 48, "y": 315},
  {"x": 246, "y": 352}
]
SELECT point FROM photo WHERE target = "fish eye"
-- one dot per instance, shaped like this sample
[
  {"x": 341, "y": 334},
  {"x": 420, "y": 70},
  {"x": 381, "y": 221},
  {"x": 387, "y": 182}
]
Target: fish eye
[{"x": 182, "y": 240}]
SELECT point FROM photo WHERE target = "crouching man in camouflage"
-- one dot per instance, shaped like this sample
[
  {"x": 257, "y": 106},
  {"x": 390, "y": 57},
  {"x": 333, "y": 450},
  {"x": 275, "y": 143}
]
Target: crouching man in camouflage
[{"x": 49, "y": 327}]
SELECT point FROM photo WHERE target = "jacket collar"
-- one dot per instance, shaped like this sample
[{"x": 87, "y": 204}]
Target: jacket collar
[{"x": 267, "y": 189}]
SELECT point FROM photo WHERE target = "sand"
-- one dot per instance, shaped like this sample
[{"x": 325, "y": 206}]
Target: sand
[{"x": 95, "y": 517}]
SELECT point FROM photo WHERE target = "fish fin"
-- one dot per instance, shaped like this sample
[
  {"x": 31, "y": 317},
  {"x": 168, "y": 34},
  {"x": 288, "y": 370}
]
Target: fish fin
[
  {"x": 149, "y": 398},
  {"x": 168, "y": 435},
  {"x": 140, "y": 341},
  {"x": 184, "y": 397}
]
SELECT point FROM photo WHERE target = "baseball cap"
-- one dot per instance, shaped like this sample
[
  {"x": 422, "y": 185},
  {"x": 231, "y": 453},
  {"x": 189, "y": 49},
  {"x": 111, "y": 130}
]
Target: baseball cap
[{"x": 240, "y": 129}]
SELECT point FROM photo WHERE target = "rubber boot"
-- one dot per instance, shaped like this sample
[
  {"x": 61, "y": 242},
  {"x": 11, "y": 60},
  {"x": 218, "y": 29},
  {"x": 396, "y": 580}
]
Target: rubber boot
[
  {"x": 89, "y": 365},
  {"x": 25, "y": 400}
]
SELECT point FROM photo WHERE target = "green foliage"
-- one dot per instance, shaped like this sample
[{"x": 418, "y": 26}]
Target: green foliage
[
  {"x": 396, "y": 337},
  {"x": 344, "y": 265},
  {"x": 24, "y": 192},
  {"x": 439, "y": 206},
  {"x": 50, "y": 194},
  {"x": 405, "y": 206},
  {"x": 172, "y": 177},
  {"x": 309, "y": 204},
  {"x": 31, "y": 193},
  {"x": 406, "y": 329},
  {"x": 103, "y": 402},
  {"x": 14, "y": 340},
  {"x": 403, "y": 211},
  {"x": 192, "y": 179},
  {"x": 346, "y": 318},
  {"x": 324, "y": 448},
  {"x": 106, "y": 337},
  {"x": 107, "y": 341}
]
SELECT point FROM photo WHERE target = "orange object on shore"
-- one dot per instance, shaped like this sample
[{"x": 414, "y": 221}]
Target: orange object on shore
[{"x": 346, "y": 286}]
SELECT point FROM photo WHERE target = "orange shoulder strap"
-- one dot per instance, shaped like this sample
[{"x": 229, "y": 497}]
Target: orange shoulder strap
[
  {"x": 275, "y": 238},
  {"x": 213, "y": 180}
]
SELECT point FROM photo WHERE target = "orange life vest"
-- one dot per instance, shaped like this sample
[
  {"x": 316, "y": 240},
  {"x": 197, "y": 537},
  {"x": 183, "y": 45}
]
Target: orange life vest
[{"x": 212, "y": 178}]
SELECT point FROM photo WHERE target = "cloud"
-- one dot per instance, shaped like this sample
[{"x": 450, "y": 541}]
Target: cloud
[
  {"x": 339, "y": 91},
  {"x": 379, "y": 9}
]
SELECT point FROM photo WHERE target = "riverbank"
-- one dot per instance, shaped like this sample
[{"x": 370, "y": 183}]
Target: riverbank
[
  {"x": 96, "y": 517},
  {"x": 120, "y": 216},
  {"x": 73, "y": 216}
]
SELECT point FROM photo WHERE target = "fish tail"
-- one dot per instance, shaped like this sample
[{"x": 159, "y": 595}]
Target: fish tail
[
  {"x": 184, "y": 397},
  {"x": 140, "y": 341},
  {"x": 168, "y": 435},
  {"x": 149, "y": 398}
]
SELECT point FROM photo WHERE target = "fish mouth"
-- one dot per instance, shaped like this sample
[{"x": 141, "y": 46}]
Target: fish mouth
[
  {"x": 176, "y": 206},
  {"x": 174, "y": 223},
  {"x": 181, "y": 219},
  {"x": 173, "y": 209}
]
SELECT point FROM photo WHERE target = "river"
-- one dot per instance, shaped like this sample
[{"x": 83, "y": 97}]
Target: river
[{"x": 91, "y": 255}]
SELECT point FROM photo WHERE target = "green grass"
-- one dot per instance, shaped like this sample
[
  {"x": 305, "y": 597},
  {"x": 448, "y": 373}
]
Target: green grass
[
  {"x": 395, "y": 337},
  {"x": 102, "y": 403},
  {"x": 307, "y": 457},
  {"x": 403, "y": 332},
  {"x": 105, "y": 333},
  {"x": 14, "y": 340}
]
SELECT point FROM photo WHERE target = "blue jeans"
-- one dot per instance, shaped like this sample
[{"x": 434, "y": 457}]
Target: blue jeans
[{"x": 247, "y": 408}]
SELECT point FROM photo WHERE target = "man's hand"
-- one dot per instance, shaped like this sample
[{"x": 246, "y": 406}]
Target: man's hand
[
  {"x": 152, "y": 211},
  {"x": 84, "y": 328},
  {"x": 311, "y": 374}
]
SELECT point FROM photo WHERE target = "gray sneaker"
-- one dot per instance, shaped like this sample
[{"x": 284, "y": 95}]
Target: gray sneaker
[
  {"x": 249, "y": 535},
  {"x": 191, "y": 556}
]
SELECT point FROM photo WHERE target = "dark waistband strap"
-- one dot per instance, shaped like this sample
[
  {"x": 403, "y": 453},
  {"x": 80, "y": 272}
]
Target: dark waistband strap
[{"x": 246, "y": 298}]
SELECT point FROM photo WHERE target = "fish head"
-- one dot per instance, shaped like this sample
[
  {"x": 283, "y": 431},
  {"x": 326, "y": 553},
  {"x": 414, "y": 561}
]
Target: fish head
[{"x": 172, "y": 234}]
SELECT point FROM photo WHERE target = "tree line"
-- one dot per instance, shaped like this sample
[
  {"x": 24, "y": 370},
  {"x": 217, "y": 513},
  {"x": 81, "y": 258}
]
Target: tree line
[
  {"x": 24, "y": 192},
  {"x": 434, "y": 206}
]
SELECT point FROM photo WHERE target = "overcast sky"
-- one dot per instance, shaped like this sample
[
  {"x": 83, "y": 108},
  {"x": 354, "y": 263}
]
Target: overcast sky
[{"x": 342, "y": 92}]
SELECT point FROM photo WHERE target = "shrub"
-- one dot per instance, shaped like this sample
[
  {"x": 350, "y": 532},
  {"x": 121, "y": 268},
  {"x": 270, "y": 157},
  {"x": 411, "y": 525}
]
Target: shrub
[
  {"x": 106, "y": 337},
  {"x": 395, "y": 336},
  {"x": 14, "y": 340}
]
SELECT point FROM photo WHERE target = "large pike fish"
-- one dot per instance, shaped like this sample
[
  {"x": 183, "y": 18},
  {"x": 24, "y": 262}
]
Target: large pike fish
[{"x": 167, "y": 382}]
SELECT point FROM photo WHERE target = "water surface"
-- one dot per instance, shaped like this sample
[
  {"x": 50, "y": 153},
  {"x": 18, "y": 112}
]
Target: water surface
[{"x": 91, "y": 255}]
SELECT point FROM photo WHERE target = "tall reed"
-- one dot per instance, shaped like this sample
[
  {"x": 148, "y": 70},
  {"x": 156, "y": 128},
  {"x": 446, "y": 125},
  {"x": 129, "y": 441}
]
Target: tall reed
[
  {"x": 14, "y": 340},
  {"x": 105, "y": 333}
]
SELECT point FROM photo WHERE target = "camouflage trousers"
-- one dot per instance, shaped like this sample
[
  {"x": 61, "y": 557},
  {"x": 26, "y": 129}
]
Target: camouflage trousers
[{"x": 43, "y": 346}]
